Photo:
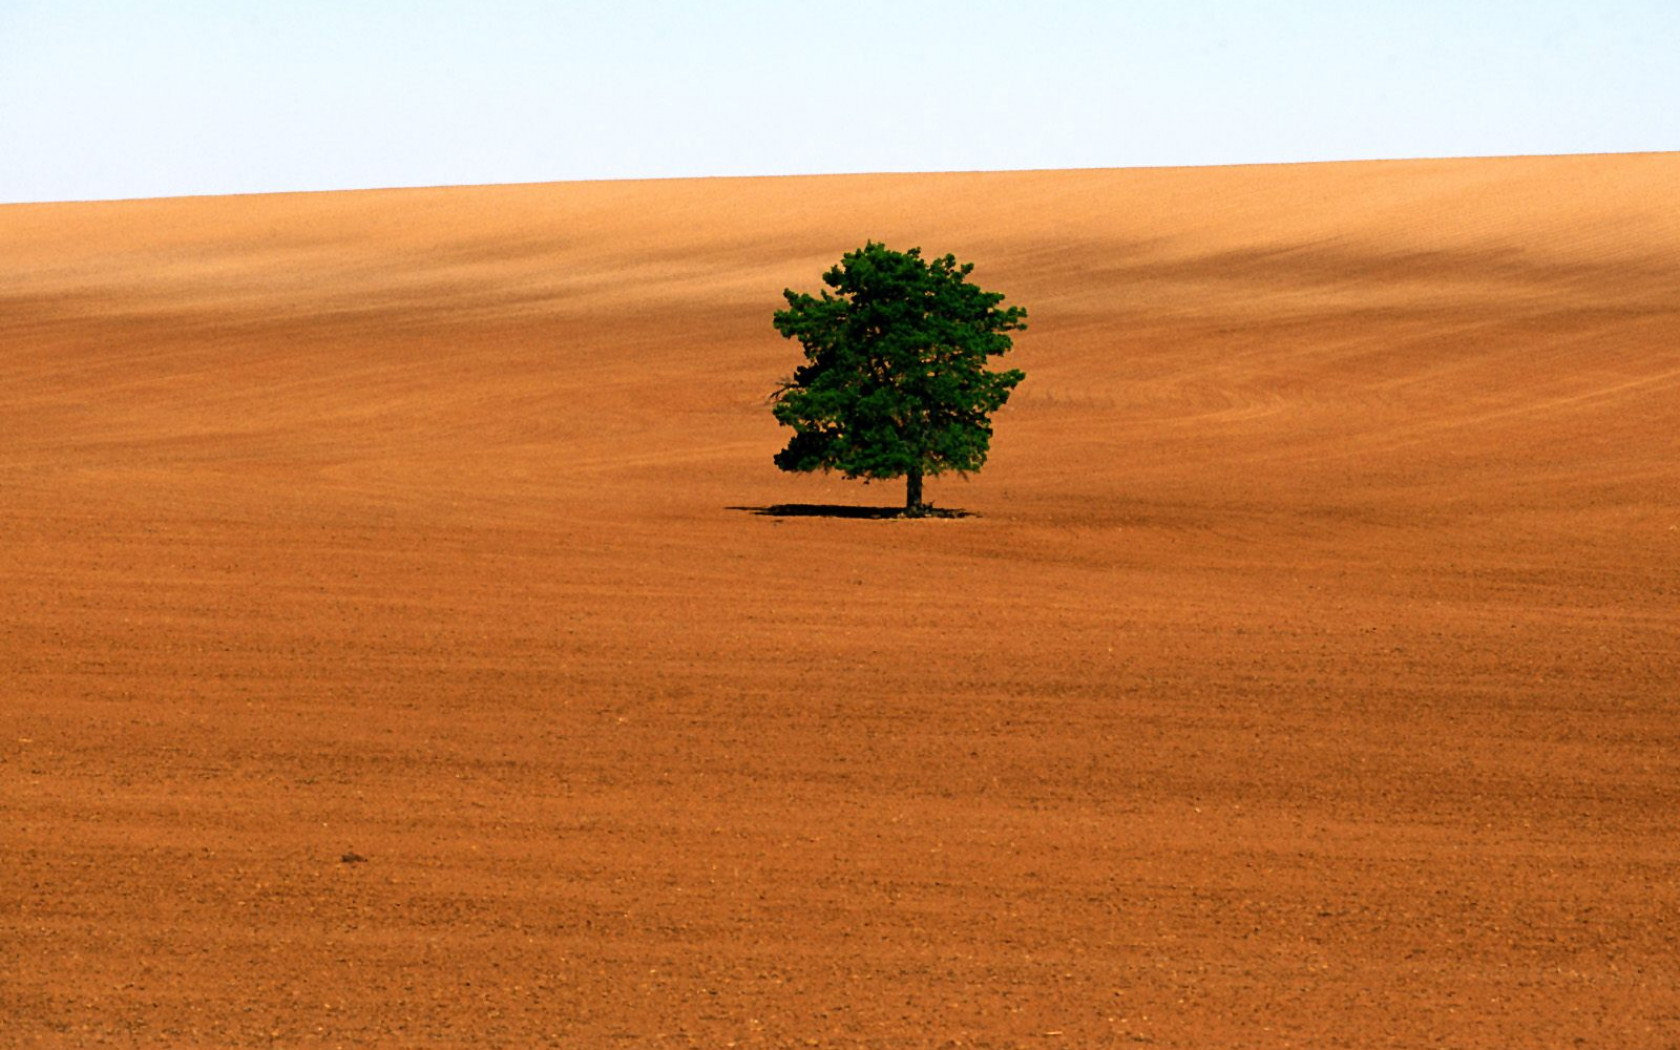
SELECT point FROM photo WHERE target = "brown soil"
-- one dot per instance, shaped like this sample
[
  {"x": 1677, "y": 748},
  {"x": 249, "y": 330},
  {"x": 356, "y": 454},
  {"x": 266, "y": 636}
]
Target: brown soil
[{"x": 392, "y": 654}]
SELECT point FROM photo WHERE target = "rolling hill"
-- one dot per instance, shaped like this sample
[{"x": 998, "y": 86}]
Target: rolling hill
[{"x": 397, "y": 648}]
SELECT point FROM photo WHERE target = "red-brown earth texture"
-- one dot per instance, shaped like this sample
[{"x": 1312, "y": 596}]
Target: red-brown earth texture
[{"x": 395, "y": 652}]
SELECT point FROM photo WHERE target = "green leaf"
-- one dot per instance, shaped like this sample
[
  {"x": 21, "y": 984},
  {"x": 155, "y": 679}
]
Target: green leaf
[{"x": 894, "y": 381}]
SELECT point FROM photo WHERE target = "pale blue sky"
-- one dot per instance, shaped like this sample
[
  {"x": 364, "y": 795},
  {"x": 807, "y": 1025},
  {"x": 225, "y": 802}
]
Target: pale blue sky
[{"x": 144, "y": 98}]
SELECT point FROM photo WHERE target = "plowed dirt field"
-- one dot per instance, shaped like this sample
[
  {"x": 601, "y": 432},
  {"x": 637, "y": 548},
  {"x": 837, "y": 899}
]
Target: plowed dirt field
[{"x": 404, "y": 641}]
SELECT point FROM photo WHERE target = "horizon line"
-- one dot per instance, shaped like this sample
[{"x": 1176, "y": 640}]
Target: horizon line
[{"x": 885, "y": 172}]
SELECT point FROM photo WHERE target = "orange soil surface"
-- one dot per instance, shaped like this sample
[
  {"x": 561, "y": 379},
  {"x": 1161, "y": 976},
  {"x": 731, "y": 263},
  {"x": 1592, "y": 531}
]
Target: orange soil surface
[{"x": 1307, "y": 674}]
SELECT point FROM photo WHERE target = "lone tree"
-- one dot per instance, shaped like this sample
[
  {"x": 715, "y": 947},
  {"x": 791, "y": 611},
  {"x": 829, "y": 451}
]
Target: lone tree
[{"x": 895, "y": 381}]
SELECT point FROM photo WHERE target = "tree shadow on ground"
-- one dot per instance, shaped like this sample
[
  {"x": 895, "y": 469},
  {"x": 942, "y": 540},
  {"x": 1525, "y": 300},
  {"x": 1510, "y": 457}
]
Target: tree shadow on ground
[{"x": 841, "y": 510}]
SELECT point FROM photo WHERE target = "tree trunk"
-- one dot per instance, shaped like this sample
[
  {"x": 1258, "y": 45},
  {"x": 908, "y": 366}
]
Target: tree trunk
[{"x": 913, "y": 506}]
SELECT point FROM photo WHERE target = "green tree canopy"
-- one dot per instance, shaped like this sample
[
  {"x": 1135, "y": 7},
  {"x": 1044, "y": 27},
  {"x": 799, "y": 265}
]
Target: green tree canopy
[{"x": 894, "y": 382}]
